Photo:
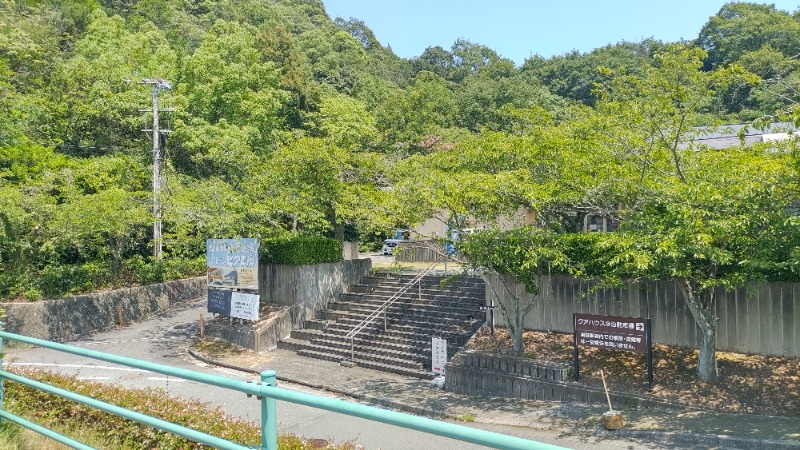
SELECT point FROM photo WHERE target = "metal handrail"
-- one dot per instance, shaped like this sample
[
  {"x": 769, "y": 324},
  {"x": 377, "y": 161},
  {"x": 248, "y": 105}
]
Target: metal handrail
[
  {"x": 382, "y": 309},
  {"x": 265, "y": 391}
]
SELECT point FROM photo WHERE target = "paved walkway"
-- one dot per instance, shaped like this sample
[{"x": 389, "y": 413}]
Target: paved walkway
[{"x": 687, "y": 429}]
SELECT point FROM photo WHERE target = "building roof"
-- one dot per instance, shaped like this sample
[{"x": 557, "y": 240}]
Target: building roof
[{"x": 729, "y": 135}]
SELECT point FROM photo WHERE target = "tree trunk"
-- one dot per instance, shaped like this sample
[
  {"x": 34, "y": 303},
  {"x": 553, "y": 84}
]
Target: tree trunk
[
  {"x": 517, "y": 343},
  {"x": 707, "y": 359},
  {"x": 513, "y": 312},
  {"x": 701, "y": 309}
]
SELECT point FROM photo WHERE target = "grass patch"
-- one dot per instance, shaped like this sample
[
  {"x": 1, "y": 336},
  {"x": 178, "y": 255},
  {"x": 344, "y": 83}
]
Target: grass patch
[
  {"x": 82, "y": 422},
  {"x": 462, "y": 418}
]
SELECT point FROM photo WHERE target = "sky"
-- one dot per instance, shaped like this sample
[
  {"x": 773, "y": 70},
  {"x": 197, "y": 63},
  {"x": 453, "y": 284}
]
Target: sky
[{"x": 519, "y": 29}]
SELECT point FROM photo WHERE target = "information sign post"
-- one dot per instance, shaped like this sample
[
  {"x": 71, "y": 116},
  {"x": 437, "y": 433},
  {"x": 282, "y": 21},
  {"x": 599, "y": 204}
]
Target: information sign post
[
  {"x": 627, "y": 334},
  {"x": 232, "y": 266}
]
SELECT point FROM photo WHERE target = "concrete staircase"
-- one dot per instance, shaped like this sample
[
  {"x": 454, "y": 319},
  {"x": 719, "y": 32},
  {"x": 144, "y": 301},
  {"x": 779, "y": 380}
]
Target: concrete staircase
[{"x": 427, "y": 309}]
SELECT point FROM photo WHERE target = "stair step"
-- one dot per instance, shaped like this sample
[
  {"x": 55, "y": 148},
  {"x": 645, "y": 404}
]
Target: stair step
[
  {"x": 371, "y": 365},
  {"x": 361, "y": 356},
  {"x": 424, "y": 310}
]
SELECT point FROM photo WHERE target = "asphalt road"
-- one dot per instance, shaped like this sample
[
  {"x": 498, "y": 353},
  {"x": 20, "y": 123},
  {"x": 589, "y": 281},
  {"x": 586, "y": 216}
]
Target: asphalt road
[{"x": 165, "y": 340}]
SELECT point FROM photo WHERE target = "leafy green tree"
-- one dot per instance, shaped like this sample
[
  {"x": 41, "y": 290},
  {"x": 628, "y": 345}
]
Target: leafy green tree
[
  {"x": 336, "y": 58},
  {"x": 226, "y": 79},
  {"x": 742, "y": 27},
  {"x": 573, "y": 75},
  {"x": 436, "y": 60},
  {"x": 719, "y": 229},
  {"x": 406, "y": 118},
  {"x": 499, "y": 84},
  {"x": 346, "y": 122},
  {"x": 679, "y": 212},
  {"x": 89, "y": 104},
  {"x": 515, "y": 256}
]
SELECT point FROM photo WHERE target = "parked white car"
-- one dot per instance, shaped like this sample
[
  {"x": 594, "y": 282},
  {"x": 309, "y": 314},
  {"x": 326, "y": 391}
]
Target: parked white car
[{"x": 389, "y": 245}]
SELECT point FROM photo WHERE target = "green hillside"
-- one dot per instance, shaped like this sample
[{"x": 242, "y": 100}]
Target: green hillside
[{"x": 287, "y": 122}]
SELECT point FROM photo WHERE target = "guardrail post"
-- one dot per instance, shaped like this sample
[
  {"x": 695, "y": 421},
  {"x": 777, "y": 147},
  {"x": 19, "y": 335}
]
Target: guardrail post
[{"x": 269, "y": 420}]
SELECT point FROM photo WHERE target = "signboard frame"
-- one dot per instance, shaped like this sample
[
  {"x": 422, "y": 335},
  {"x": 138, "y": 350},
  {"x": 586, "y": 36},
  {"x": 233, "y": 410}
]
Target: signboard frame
[
  {"x": 438, "y": 354},
  {"x": 232, "y": 263},
  {"x": 628, "y": 334}
]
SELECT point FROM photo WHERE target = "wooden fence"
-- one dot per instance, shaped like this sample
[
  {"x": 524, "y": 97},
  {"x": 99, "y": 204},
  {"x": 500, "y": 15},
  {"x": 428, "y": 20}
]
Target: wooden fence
[
  {"x": 419, "y": 251},
  {"x": 759, "y": 318}
]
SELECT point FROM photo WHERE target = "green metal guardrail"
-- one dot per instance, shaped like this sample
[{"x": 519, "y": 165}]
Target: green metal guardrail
[{"x": 265, "y": 390}]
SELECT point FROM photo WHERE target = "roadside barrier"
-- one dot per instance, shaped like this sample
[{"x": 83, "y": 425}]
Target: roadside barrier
[{"x": 265, "y": 391}]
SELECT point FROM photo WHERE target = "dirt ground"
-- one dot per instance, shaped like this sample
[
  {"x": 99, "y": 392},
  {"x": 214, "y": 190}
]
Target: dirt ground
[{"x": 745, "y": 383}]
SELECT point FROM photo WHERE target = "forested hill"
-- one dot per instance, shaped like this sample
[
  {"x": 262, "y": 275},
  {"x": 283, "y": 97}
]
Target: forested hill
[{"x": 284, "y": 122}]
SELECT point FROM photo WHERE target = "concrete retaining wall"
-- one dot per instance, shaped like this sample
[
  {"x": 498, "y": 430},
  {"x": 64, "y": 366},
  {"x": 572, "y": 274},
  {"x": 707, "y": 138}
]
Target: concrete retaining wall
[
  {"x": 349, "y": 250},
  {"x": 65, "y": 319},
  {"x": 505, "y": 376},
  {"x": 314, "y": 285},
  {"x": 758, "y": 318},
  {"x": 260, "y": 336}
]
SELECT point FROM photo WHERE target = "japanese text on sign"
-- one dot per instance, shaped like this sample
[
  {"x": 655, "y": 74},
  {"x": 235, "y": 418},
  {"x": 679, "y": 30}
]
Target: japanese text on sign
[
  {"x": 244, "y": 306},
  {"x": 232, "y": 252},
  {"x": 438, "y": 354},
  {"x": 232, "y": 263},
  {"x": 614, "y": 333}
]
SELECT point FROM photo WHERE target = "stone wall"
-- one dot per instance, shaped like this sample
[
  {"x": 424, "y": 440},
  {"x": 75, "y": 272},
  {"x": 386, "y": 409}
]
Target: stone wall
[
  {"x": 314, "y": 285},
  {"x": 260, "y": 336},
  {"x": 67, "y": 318},
  {"x": 472, "y": 373}
]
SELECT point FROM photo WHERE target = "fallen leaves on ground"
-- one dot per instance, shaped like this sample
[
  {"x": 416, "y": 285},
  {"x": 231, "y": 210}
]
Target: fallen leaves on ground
[{"x": 745, "y": 383}]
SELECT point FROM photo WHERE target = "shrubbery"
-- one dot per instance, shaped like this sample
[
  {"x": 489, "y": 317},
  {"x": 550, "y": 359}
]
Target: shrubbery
[
  {"x": 63, "y": 279},
  {"x": 51, "y": 410},
  {"x": 300, "y": 250}
]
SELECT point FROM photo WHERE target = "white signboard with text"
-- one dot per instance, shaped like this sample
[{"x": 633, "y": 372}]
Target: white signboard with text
[
  {"x": 244, "y": 306},
  {"x": 439, "y": 354}
]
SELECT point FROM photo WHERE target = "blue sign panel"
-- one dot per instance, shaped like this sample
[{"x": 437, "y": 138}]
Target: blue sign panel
[
  {"x": 232, "y": 263},
  {"x": 219, "y": 301}
]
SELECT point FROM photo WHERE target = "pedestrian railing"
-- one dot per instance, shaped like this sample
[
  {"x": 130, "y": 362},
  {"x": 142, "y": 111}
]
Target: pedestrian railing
[
  {"x": 382, "y": 309},
  {"x": 265, "y": 391}
]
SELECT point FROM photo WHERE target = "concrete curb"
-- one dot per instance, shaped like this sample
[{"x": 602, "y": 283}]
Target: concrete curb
[
  {"x": 425, "y": 412},
  {"x": 665, "y": 437}
]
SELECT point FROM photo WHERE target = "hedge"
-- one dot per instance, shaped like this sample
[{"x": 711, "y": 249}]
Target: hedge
[
  {"x": 53, "y": 411},
  {"x": 300, "y": 250}
]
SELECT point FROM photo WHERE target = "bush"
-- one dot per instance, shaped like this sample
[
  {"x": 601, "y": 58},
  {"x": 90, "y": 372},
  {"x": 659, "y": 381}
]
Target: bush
[
  {"x": 72, "y": 278},
  {"x": 49, "y": 410},
  {"x": 300, "y": 250},
  {"x": 140, "y": 270}
]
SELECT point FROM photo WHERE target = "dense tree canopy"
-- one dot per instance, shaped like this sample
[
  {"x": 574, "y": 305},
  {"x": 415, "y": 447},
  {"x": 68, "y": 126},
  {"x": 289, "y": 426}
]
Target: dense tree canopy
[{"x": 287, "y": 122}]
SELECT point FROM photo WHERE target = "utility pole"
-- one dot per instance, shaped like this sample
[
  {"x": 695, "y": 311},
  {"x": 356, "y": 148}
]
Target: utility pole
[{"x": 158, "y": 85}]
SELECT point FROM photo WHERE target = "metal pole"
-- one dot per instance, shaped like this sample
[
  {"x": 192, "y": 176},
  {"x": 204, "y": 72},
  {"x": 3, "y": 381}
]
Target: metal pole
[
  {"x": 649, "y": 356},
  {"x": 575, "y": 349},
  {"x": 156, "y": 178},
  {"x": 491, "y": 317},
  {"x": 269, "y": 420}
]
